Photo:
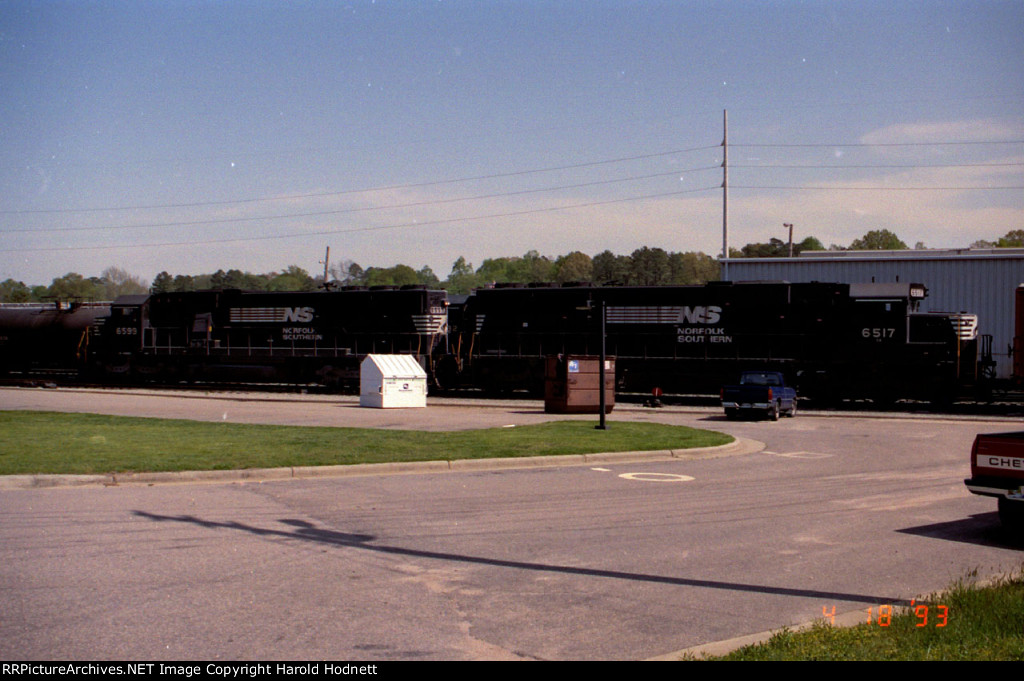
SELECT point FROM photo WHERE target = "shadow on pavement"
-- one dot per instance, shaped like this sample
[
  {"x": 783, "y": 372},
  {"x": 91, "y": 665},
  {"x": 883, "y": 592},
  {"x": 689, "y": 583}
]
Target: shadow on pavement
[
  {"x": 306, "y": 531},
  {"x": 982, "y": 529}
]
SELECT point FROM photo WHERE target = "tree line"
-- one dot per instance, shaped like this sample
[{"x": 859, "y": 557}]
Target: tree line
[
  {"x": 643, "y": 267},
  {"x": 113, "y": 282}
]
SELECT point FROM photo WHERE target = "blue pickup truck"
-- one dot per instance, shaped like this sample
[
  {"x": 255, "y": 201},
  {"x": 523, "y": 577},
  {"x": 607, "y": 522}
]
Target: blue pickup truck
[{"x": 759, "y": 392}]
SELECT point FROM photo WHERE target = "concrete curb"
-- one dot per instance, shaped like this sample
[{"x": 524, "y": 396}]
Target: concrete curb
[
  {"x": 737, "y": 447},
  {"x": 516, "y": 462},
  {"x": 38, "y": 481}
]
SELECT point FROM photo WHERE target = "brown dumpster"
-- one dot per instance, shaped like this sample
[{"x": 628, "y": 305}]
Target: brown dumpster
[{"x": 571, "y": 384}]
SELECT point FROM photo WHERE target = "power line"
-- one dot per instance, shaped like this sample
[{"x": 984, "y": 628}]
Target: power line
[
  {"x": 877, "y": 144},
  {"x": 503, "y": 194},
  {"x": 193, "y": 223},
  {"x": 364, "y": 229},
  {"x": 875, "y": 165},
  {"x": 411, "y": 185},
  {"x": 880, "y": 189}
]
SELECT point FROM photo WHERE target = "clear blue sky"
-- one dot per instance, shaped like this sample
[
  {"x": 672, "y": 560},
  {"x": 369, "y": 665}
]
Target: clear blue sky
[{"x": 147, "y": 135}]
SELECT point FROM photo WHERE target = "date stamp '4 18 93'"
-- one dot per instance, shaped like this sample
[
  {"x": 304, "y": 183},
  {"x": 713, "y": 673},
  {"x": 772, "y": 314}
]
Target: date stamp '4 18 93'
[{"x": 938, "y": 619}]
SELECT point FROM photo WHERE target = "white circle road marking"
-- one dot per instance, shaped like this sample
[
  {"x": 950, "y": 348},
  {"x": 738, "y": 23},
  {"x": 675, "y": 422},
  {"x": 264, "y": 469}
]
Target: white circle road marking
[
  {"x": 656, "y": 477},
  {"x": 800, "y": 455}
]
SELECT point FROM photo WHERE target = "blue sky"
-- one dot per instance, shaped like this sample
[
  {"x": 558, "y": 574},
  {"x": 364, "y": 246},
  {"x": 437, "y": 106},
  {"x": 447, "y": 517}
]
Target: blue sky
[{"x": 192, "y": 136}]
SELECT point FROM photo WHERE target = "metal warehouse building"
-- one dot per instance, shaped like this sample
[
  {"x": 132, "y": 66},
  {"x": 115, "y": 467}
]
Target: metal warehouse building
[{"x": 978, "y": 281}]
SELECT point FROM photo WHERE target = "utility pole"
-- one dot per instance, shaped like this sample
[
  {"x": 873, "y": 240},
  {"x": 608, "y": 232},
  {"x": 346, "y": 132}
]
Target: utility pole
[
  {"x": 790, "y": 226},
  {"x": 725, "y": 193},
  {"x": 327, "y": 262}
]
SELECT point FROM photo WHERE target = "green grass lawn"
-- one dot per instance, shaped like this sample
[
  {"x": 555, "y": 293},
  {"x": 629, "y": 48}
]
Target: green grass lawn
[
  {"x": 976, "y": 623},
  {"x": 45, "y": 442}
]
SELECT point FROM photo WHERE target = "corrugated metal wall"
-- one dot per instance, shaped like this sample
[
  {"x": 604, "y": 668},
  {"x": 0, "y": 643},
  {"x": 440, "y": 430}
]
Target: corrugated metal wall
[{"x": 979, "y": 283}]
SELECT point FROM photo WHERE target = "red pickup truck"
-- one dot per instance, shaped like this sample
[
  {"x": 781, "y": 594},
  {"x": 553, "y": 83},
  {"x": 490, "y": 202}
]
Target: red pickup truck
[{"x": 997, "y": 470}]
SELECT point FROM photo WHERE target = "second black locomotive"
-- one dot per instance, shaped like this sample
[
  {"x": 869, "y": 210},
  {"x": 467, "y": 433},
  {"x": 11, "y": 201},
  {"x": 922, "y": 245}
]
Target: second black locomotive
[{"x": 831, "y": 340}]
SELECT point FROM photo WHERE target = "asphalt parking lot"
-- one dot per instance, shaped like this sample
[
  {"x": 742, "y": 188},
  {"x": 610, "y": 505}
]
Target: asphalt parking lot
[{"x": 603, "y": 560}]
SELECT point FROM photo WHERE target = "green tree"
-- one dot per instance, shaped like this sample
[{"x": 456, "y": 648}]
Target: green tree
[
  {"x": 462, "y": 278},
  {"x": 575, "y": 266},
  {"x": 162, "y": 283},
  {"x": 73, "y": 286},
  {"x": 878, "y": 240},
  {"x": 293, "y": 278},
  {"x": 533, "y": 267},
  {"x": 1013, "y": 239},
  {"x": 183, "y": 282},
  {"x": 354, "y": 274},
  {"x": 427, "y": 277},
  {"x": 376, "y": 276},
  {"x": 611, "y": 269},
  {"x": 649, "y": 267},
  {"x": 12, "y": 291},
  {"x": 399, "y": 275},
  {"x": 404, "y": 275},
  {"x": 809, "y": 244},
  {"x": 530, "y": 267},
  {"x": 693, "y": 268},
  {"x": 201, "y": 282},
  {"x": 496, "y": 270},
  {"x": 245, "y": 280},
  {"x": 775, "y": 248}
]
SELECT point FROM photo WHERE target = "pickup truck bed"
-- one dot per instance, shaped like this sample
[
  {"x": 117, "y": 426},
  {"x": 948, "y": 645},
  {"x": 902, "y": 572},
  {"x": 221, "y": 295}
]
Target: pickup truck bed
[{"x": 997, "y": 470}]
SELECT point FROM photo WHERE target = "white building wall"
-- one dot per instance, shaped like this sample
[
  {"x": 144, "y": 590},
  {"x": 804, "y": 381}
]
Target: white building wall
[{"x": 978, "y": 281}]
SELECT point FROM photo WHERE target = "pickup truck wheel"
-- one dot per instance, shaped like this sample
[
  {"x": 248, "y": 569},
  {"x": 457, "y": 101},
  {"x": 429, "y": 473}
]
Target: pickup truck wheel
[
  {"x": 792, "y": 412},
  {"x": 1011, "y": 514},
  {"x": 773, "y": 413}
]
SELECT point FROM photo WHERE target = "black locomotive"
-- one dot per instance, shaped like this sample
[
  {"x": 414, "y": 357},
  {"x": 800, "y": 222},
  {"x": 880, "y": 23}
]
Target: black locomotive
[
  {"x": 831, "y": 340},
  {"x": 244, "y": 336}
]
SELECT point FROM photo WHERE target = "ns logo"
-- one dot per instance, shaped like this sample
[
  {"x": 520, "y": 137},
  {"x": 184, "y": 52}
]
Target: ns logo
[
  {"x": 700, "y": 314},
  {"x": 298, "y": 314}
]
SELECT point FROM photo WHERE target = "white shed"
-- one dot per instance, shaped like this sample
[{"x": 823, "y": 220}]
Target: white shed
[{"x": 392, "y": 381}]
